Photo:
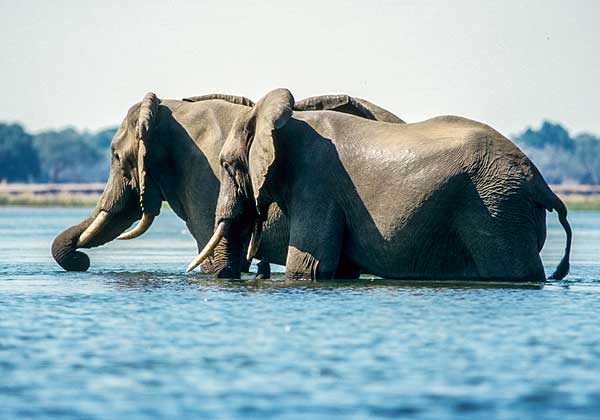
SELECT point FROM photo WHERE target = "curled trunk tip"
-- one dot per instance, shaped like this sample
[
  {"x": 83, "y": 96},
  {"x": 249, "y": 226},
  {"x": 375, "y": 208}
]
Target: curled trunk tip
[{"x": 64, "y": 250}]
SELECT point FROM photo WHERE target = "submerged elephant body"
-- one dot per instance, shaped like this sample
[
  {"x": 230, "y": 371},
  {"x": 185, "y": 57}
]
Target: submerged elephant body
[
  {"x": 168, "y": 150},
  {"x": 447, "y": 198}
]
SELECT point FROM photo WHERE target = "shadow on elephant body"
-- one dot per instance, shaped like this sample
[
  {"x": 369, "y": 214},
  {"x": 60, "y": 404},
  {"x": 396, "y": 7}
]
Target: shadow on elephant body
[{"x": 175, "y": 182}]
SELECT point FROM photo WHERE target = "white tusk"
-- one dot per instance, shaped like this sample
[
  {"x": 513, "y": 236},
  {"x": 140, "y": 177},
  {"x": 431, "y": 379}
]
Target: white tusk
[
  {"x": 210, "y": 246},
  {"x": 142, "y": 227},
  {"x": 94, "y": 227},
  {"x": 254, "y": 241}
]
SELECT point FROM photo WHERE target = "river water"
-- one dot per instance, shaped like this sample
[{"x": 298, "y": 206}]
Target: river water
[{"x": 136, "y": 337}]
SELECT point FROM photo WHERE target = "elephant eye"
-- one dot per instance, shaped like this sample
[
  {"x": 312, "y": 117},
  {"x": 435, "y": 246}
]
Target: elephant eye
[{"x": 228, "y": 168}]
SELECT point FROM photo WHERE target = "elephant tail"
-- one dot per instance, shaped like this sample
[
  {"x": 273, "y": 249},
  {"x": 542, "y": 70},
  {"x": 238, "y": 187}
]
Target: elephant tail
[
  {"x": 546, "y": 198},
  {"x": 563, "y": 267}
]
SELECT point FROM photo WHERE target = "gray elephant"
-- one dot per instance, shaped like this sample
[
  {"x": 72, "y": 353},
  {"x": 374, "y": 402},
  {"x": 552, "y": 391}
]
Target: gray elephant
[
  {"x": 446, "y": 198},
  {"x": 168, "y": 151}
]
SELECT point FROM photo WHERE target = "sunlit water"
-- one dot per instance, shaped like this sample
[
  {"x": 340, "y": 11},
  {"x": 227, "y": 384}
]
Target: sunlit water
[{"x": 135, "y": 337}]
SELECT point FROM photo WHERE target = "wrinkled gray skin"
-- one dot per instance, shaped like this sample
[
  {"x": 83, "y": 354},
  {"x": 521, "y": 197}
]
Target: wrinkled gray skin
[
  {"x": 168, "y": 151},
  {"x": 446, "y": 198}
]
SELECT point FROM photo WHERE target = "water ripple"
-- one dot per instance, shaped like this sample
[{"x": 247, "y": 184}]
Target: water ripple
[{"x": 135, "y": 337}]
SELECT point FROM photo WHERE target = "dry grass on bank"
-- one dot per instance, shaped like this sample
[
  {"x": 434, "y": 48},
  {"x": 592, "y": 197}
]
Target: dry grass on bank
[
  {"x": 50, "y": 195},
  {"x": 576, "y": 197},
  {"x": 581, "y": 202},
  {"x": 56, "y": 200}
]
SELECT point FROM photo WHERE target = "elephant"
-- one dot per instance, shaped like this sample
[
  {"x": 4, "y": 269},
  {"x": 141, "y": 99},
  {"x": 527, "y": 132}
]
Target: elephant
[
  {"x": 167, "y": 150},
  {"x": 447, "y": 198}
]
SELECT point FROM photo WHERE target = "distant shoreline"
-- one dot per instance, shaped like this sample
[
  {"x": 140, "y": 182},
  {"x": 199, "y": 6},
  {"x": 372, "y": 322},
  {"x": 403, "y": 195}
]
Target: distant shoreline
[
  {"x": 576, "y": 197},
  {"x": 50, "y": 195}
]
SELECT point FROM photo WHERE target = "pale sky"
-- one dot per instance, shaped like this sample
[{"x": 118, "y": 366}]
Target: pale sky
[{"x": 506, "y": 63}]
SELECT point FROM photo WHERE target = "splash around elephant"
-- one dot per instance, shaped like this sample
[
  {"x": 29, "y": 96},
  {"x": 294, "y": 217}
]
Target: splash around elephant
[
  {"x": 446, "y": 198},
  {"x": 167, "y": 150}
]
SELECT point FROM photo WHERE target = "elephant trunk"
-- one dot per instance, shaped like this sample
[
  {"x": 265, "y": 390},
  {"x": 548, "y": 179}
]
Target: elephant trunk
[
  {"x": 226, "y": 259},
  {"x": 65, "y": 244},
  {"x": 101, "y": 227}
]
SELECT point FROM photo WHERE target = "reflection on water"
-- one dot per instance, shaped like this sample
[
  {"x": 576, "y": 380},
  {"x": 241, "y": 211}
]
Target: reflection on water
[{"x": 136, "y": 337}]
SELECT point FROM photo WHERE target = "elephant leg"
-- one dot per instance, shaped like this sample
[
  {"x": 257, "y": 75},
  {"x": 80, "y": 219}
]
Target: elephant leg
[
  {"x": 315, "y": 244},
  {"x": 504, "y": 254},
  {"x": 244, "y": 265},
  {"x": 347, "y": 269},
  {"x": 263, "y": 271},
  {"x": 305, "y": 265},
  {"x": 502, "y": 260}
]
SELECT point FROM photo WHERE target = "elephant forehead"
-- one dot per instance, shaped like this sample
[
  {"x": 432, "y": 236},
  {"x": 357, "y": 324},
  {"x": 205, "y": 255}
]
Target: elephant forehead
[
  {"x": 121, "y": 138},
  {"x": 234, "y": 147},
  {"x": 230, "y": 150}
]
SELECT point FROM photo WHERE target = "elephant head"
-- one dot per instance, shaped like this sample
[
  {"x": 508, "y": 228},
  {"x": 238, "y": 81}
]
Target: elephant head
[
  {"x": 130, "y": 193},
  {"x": 145, "y": 170},
  {"x": 247, "y": 167}
]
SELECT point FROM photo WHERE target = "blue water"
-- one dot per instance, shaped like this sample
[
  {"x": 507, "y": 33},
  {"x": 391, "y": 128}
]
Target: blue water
[{"x": 135, "y": 337}]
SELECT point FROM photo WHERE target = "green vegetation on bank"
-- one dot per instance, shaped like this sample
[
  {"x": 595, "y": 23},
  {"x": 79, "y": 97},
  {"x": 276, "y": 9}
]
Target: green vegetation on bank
[
  {"x": 561, "y": 158},
  {"x": 69, "y": 155},
  {"x": 582, "y": 203},
  {"x": 66, "y": 155}
]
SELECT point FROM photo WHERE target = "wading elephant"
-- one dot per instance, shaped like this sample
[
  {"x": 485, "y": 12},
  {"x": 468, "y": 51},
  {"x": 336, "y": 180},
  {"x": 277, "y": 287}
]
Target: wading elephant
[
  {"x": 167, "y": 150},
  {"x": 446, "y": 198}
]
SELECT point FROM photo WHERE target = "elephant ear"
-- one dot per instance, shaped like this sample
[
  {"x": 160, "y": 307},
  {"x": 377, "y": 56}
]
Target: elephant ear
[
  {"x": 348, "y": 105},
  {"x": 239, "y": 100},
  {"x": 150, "y": 196},
  {"x": 379, "y": 114},
  {"x": 270, "y": 113}
]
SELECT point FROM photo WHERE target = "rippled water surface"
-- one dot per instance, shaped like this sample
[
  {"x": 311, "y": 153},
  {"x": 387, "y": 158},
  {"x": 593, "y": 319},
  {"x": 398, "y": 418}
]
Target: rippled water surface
[{"x": 135, "y": 337}]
